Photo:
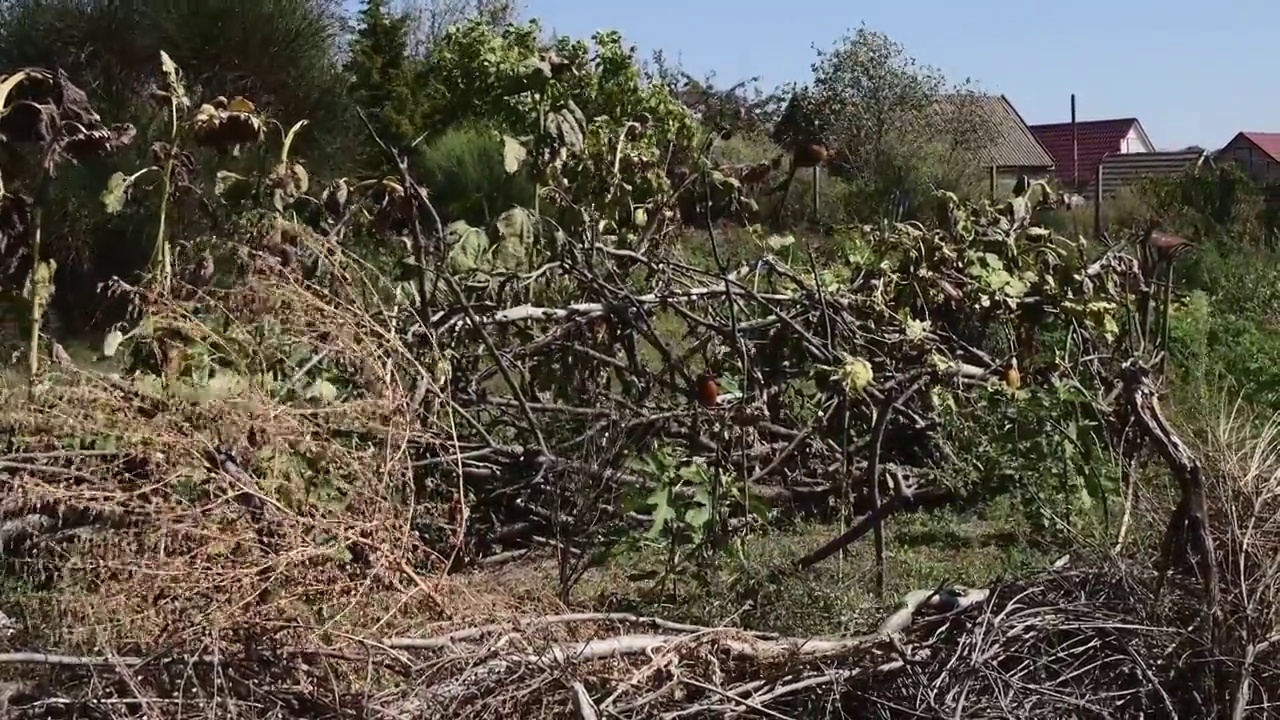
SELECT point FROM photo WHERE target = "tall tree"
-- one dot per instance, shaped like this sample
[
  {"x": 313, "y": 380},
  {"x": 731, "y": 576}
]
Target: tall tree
[
  {"x": 896, "y": 125},
  {"x": 429, "y": 19},
  {"x": 739, "y": 108},
  {"x": 281, "y": 54},
  {"x": 383, "y": 74}
]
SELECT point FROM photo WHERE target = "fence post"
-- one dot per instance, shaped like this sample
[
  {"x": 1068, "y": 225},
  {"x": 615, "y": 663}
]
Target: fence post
[
  {"x": 1097, "y": 204},
  {"x": 817, "y": 194}
]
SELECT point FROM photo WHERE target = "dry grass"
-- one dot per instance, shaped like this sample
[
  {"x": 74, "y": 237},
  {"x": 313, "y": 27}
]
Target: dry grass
[
  {"x": 1243, "y": 454},
  {"x": 176, "y": 509}
]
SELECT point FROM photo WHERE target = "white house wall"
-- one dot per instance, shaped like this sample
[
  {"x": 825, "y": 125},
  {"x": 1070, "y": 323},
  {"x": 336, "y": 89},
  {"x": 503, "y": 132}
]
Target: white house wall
[{"x": 1133, "y": 143}]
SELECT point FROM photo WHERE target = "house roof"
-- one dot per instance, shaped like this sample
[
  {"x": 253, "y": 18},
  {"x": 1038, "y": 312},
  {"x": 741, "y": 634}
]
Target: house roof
[
  {"x": 1095, "y": 139},
  {"x": 1268, "y": 143},
  {"x": 1123, "y": 170},
  {"x": 1012, "y": 144}
]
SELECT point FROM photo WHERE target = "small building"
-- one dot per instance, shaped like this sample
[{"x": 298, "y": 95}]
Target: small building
[
  {"x": 1076, "y": 163},
  {"x": 1257, "y": 154},
  {"x": 1011, "y": 148},
  {"x": 1126, "y": 170}
]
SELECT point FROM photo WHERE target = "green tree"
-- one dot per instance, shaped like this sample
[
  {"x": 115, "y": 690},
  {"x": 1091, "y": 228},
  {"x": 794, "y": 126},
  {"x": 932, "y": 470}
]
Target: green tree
[
  {"x": 586, "y": 109},
  {"x": 897, "y": 126},
  {"x": 281, "y": 54},
  {"x": 743, "y": 107},
  {"x": 429, "y": 19},
  {"x": 384, "y": 75}
]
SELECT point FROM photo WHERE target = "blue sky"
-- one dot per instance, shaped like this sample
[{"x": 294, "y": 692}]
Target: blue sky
[{"x": 1194, "y": 73}]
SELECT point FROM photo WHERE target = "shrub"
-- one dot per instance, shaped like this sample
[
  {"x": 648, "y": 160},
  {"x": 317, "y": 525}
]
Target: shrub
[
  {"x": 1226, "y": 331},
  {"x": 835, "y": 202},
  {"x": 463, "y": 170},
  {"x": 282, "y": 54}
]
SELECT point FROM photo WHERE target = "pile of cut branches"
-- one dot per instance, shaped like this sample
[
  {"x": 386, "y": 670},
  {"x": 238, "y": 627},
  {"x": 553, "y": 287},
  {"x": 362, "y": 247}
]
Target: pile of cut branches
[
  {"x": 310, "y": 428},
  {"x": 765, "y": 381},
  {"x": 1068, "y": 643}
]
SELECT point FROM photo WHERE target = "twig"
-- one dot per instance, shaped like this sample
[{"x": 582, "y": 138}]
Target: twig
[
  {"x": 879, "y": 511},
  {"x": 476, "y": 633}
]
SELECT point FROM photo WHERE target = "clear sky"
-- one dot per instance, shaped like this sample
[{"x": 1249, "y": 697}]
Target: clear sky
[{"x": 1193, "y": 72}]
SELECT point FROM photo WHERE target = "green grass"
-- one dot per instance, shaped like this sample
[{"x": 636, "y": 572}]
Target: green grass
[
  {"x": 14, "y": 359},
  {"x": 923, "y": 550}
]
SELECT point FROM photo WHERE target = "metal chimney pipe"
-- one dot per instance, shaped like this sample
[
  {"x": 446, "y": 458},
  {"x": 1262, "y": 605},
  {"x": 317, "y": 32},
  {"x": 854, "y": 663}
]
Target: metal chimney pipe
[{"x": 1075, "y": 149}]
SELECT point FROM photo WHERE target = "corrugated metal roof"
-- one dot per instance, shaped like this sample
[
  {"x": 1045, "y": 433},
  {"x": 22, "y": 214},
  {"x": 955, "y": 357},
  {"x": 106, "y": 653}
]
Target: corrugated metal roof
[
  {"x": 1013, "y": 143},
  {"x": 1126, "y": 169},
  {"x": 1095, "y": 139}
]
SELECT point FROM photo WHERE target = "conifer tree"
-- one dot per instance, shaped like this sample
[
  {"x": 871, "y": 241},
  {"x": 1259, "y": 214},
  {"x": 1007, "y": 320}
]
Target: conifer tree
[{"x": 383, "y": 74}]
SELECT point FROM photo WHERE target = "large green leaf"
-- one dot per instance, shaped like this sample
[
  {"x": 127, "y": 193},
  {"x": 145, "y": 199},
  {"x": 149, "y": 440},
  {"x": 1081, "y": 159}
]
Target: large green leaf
[
  {"x": 117, "y": 190},
  {"x": 515, "y": 230},
  {"x": 469, "y": 251},
  {"x": 565, "y": 128},
  {"x": 513, "y": 154},
  {"x": 663, "y": 513}
]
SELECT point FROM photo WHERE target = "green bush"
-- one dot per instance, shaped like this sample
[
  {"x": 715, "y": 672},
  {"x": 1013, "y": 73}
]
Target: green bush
[
  {"x": 903, "y": 189},
  {"x": 282, "y": 54},
  {"x": 836, "y": 202},
  {"x": 745, "y": 148},
  {"x": 1226, "y": 331},
  {"x": 463, "y": 169}
]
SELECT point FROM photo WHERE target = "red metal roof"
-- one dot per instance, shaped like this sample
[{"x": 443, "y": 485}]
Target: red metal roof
[
  {"x": 1095, "y": 139},
  {"x": 1268, "y": 143}
]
